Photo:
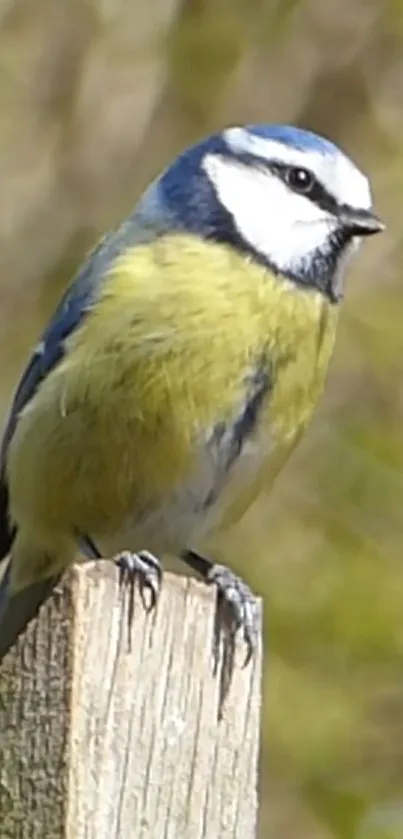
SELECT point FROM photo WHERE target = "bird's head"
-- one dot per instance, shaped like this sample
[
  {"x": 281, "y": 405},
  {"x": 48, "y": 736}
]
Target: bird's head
[{"x": 285, "y": 197}]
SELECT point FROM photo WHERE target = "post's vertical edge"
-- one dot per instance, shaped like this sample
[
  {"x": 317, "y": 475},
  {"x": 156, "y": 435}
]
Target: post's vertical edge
[{"x": 35, "y": 688}]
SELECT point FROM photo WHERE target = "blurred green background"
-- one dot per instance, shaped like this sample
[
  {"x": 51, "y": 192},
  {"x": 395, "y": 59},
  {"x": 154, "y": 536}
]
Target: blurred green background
[{"x": 95, "y": 97}]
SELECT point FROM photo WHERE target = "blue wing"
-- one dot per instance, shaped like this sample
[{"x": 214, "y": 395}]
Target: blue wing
[
  {"x": 147, "y": 222},
  {"x": 77, "y": 300},
  {"x": 16, "y": 612}
]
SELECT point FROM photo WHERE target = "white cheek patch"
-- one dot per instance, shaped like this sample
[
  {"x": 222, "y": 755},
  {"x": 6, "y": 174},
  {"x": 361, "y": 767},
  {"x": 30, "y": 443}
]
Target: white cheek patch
[
  {"x": 334, "y": 170},
  {"x": 284, "y": 227}
]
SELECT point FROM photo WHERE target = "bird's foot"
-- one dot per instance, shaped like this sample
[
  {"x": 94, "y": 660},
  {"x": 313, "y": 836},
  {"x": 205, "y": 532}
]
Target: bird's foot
[
  {"x": 237, "y": 609},
  {"x": 144, "y": 569}
]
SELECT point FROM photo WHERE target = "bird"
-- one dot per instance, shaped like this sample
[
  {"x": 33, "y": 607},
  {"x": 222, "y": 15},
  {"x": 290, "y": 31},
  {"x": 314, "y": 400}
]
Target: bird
[{"x": 180, "y": 368}]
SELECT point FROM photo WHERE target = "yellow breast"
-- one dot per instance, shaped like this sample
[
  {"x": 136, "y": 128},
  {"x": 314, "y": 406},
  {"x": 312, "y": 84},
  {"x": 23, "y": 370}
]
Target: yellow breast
[{"x": 117, "y": 429}]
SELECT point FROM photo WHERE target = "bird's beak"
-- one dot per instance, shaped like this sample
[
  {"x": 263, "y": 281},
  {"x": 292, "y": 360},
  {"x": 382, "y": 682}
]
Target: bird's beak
[{"x": 361, "y": 222}]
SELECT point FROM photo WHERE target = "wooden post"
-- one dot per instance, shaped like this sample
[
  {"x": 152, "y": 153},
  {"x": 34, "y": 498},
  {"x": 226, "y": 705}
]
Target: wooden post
[{"x": 99, "y": 742}]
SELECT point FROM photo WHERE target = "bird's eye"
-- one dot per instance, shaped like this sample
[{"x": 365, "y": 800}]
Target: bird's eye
[{"x": 299, "y": 179}]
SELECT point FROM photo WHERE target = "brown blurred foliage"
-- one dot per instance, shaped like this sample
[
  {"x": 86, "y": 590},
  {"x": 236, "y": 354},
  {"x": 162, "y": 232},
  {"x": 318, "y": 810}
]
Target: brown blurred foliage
[{"x": 96, "y": 96}]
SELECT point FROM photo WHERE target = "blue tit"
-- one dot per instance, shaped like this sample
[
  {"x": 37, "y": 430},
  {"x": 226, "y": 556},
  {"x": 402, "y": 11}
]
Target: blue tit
[{"x": 182, "y": 364}]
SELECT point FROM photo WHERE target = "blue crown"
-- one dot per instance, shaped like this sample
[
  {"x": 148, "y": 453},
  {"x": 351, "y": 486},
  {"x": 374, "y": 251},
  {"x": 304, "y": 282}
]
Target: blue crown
[{"x": 297, "y": 138}]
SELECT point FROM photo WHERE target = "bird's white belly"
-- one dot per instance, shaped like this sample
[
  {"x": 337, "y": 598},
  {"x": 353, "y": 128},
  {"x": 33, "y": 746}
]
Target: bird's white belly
[{"x": 185, "y": 519}]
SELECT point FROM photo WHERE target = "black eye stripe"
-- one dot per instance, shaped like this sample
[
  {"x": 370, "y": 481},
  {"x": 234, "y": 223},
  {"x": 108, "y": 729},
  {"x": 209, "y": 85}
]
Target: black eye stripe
[{"x": 318, "y": 194}]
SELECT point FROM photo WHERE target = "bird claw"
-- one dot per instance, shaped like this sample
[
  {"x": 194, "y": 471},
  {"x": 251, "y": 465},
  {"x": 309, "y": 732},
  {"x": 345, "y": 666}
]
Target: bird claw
[
  {"x": 237, "y": 609},
  {"x": 145, "y": 569}
]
